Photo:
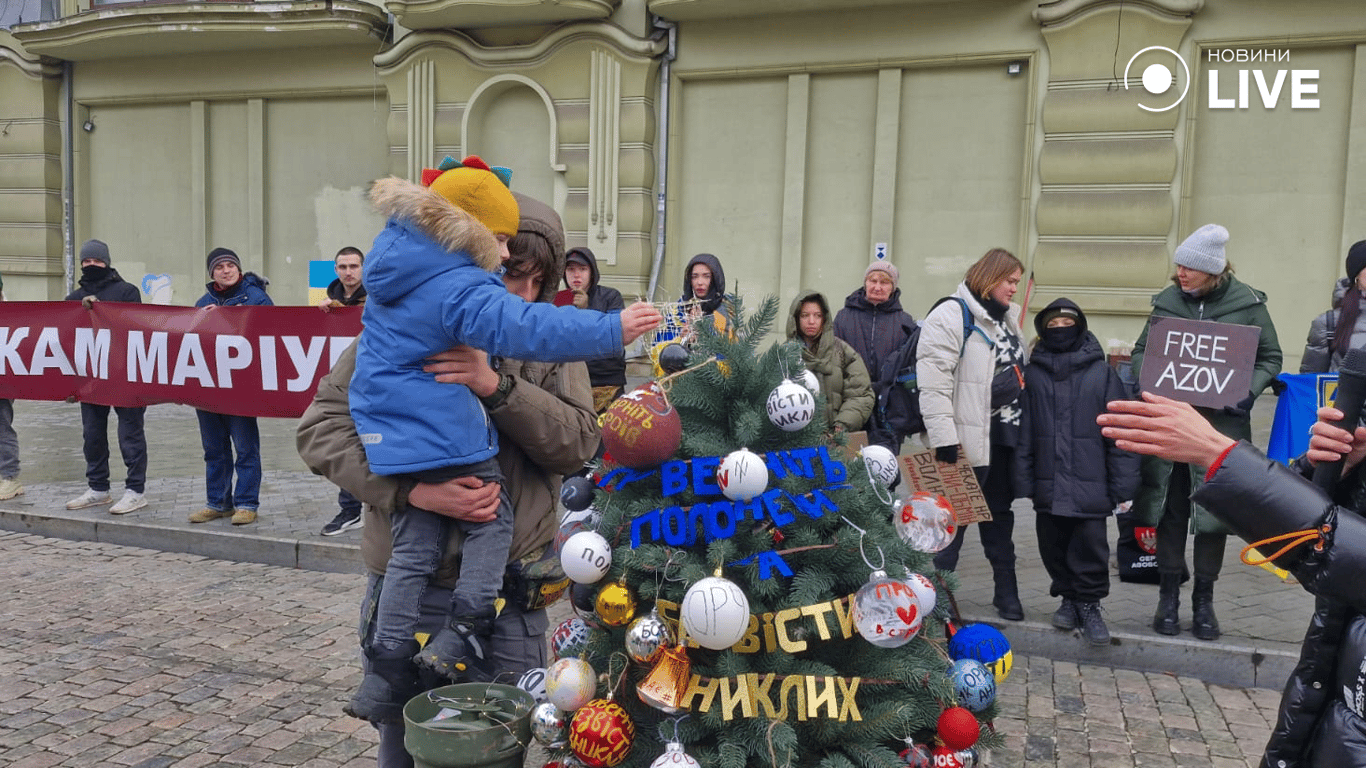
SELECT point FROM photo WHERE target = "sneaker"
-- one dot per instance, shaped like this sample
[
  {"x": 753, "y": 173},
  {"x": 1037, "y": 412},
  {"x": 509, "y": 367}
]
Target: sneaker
[
  {"x": 206, "y": 514},
  {"x": 1092, "y": 625},
  {"x": 10, "y": 487},
  {"x": 131, "y": 500},
  {"x": 343, "y": 522},
  {"x": 244, "y": 517},
  {"x": 90, "y": 498}
]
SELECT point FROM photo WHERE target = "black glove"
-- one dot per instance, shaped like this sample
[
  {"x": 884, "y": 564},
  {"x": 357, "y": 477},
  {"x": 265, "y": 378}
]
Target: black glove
[
  {"x": 1242, "y": 408},
  {"x": 946, "y": 454}
]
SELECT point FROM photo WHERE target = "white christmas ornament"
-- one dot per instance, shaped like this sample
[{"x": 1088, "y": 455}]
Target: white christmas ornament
[
  {"x": 886, "y": 612},
  {"x": 715, "y": 613},
  {"x": 570, "y": 683},
  {"x": 585, "y": 558},
  {"x": 675, "y": 757},
  {"x": 741, "y": 475},
  {"x": 881, "y": 463},
  {"x": 924, "y": 592},
  {"x": 791, "y": 406},
  {"x": 925, "y": 521},
  {"x": 533, "y": 682},
  {"x": 810, "y": 381}
]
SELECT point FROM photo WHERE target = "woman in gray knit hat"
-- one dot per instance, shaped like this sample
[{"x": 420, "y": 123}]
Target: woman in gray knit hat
[{"x": 1203, "y": 288}]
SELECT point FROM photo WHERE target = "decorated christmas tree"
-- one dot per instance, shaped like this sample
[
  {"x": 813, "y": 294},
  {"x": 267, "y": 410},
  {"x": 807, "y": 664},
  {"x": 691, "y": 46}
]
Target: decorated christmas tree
[{"x": 750, "y": 594}]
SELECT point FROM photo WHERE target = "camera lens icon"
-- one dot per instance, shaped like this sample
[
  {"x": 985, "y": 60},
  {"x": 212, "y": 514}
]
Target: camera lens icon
[{"x": 1158, "y": 78}]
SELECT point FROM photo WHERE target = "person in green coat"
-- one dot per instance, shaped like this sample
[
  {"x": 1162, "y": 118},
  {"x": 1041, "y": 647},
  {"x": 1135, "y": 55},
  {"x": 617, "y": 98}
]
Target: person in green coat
[
  {"x": 842, "y": 374},
  {"x": 1203, "y": 288}
]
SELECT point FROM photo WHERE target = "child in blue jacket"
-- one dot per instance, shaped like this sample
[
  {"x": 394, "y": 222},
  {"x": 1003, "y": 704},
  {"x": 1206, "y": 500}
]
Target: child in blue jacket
[{"x": 433, "y": 283}]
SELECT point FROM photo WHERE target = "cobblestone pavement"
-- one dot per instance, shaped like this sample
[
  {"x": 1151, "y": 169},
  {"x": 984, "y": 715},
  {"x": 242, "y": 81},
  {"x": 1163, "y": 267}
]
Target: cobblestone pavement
[{"x": 121, "y": 656}]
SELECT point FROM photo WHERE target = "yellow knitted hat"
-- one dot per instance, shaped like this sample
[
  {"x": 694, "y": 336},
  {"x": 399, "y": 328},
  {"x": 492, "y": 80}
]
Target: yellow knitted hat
[{"x": 478, "y": 190}]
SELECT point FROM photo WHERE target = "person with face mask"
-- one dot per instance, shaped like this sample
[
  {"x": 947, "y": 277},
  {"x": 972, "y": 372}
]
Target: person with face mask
[
  {"x": 101, "y": 282},
  {"x": 1075, "y": 476},
  {"x": 1203, "y": 288}
]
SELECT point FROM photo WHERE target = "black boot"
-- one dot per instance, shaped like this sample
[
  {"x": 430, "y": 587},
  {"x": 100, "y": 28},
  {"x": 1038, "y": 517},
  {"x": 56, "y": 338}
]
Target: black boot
[
  {"x": 460, "y": 651},
  {"x": 391, "y": 679},
  {"x": 1165, "y": 620},
  {"x": 1204, "y": 625},
  {"x": 1007, "y": 598},
  {"x": 1066, "y": 615},
  {"x": 1092, "y": 625}
]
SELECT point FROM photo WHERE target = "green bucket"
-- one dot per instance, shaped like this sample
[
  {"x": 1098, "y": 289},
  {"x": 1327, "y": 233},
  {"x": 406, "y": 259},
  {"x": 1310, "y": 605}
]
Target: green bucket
[{"x": 487, "y": 725}]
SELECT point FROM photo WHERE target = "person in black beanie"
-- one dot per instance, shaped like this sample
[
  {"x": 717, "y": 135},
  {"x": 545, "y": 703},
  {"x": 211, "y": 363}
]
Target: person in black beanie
[
  {"x": 220, "y": 433},
  {"x": 1343, "y": 327},
  {"x": 101, "y": 282},
  {"x": 1075, "y": 476}
]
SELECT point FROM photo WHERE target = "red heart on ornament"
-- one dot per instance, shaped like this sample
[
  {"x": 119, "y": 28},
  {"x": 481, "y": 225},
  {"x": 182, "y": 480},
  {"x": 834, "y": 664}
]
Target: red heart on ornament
[{"x": 907, "y": 614}]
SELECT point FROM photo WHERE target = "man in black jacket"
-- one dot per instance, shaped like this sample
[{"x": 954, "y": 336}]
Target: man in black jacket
[
  {"x": 1321, "y": 540},
  {"x": 607, "y": 374},
  {"x": 101, "y": 282}
]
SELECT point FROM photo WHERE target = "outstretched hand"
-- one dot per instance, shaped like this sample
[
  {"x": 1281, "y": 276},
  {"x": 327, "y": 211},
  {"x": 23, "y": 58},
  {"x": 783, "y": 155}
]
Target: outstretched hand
[
  {"x": 1162, "y": 427},
  {"x": 637, "y": 320}
]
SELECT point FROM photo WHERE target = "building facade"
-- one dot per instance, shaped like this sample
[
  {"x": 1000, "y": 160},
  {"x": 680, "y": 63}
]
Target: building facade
[{"x": 794, "y": 139}]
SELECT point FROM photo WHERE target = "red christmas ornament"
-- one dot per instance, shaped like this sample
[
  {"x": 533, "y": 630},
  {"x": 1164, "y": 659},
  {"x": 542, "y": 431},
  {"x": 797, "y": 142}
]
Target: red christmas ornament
[
  {"x": 958, "y": 728},
  {"x": 946, "y": 758},
  {"x": 601, "y": 733},
  {"x": 641, "y": 429}
]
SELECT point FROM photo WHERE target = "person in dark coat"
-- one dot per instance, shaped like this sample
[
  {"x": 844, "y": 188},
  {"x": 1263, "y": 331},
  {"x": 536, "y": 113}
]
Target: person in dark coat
[
  {"x": 1320, "y": 723},
  {"x": 873, "y": 323},
  {"x": 1343, "y": 327},
  {"x": 101, "y": 282},
  {"x": 1074, "y": 475},
  {"x": 581, "y": 278},
  {"x": 705, "y": 282}
]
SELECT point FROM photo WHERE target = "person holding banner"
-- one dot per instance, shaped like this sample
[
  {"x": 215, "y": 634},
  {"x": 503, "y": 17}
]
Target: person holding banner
[
  {"x": 1343, "y": 327},
  {"x": 547, "y": 428},
  {"x": 1318, "y": 536},
  {"x": 221, "y": 433},
  {"x": 1203, "y": 288},
  {"x": 101, "y": 282},
  {"x": 346, "y": 291},
  {"x": 9, "y": 443},
  {"x": 970, "y": 374}
]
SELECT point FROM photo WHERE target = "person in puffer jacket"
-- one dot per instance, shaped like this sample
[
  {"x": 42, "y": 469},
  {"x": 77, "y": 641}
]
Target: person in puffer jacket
[
  {"x": 431, "y": 285},
  {"x": 839, "y": 369},
  {"x": 1074, "y": 476},
  {"x": 1322, "y": 718},
  {"x": 1343, "y": 327}
]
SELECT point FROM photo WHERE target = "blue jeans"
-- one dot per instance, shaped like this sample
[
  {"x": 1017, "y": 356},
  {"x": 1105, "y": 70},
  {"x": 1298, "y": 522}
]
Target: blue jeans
[
  {"x": 9, "y": 442},
  {"x": 419, "y": 541},
  {"x": 132, "y": 446},
  {"x": 220, "y": 434}
]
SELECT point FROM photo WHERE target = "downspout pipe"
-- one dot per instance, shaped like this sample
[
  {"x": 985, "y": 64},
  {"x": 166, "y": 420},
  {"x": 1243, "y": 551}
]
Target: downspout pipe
[
  {"x": 68, "y": 181},
  {"x": 662, "y": 145}
]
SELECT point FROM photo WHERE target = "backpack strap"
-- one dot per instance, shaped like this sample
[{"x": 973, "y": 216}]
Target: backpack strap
[{"x": 968, "y": 325}]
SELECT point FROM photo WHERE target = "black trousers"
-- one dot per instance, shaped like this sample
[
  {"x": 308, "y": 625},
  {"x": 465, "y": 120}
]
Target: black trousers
[
  {"x": 1076, "y": 553},
  {"x": 132, "y": 445},
  {"x": 1208, "y": 559},
  {"x": 998, "y": 541}
]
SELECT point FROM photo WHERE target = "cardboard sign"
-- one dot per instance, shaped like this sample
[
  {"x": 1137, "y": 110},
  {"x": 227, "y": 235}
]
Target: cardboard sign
[
  {"x": 855, "y": 442},
  {"x": 957, "y": 483},
  {"x": 1200, "y": 362}
]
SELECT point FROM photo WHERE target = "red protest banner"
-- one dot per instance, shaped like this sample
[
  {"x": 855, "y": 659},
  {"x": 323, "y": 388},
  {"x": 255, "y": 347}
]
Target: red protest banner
[{"x": 244, "y": 361}]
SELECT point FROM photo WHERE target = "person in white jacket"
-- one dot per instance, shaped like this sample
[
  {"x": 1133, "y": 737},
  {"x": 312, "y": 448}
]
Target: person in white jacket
[{"x": 969, "y": 367}]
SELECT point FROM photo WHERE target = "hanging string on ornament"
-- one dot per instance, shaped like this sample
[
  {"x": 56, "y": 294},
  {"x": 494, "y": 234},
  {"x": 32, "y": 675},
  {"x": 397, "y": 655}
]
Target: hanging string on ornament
[
  {"x": 674, "y": 756},
  {"x": 886, "y": 611},
  {"x": 862, "y": 535},
  {"x": 880, "y": 464}
]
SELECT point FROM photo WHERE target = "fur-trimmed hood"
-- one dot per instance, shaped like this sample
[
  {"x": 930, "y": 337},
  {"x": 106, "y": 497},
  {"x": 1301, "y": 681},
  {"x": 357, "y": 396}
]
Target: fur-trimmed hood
[{"x": 434, "y": 216}]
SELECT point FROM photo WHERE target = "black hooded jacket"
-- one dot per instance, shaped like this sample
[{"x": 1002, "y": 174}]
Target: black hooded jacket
[
  {"x": 716, "y": 293},
  {"x": 604, "y": 371},
  {"x": 106, "y": 287},
  {"x": 1062, "y": 462},
  {"x": 1322, "y": 719}
]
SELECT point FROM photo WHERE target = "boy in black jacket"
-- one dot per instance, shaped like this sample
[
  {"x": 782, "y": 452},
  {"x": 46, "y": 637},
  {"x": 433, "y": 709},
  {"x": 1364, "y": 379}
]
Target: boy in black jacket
[{"x": 1075, "y": 476}]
